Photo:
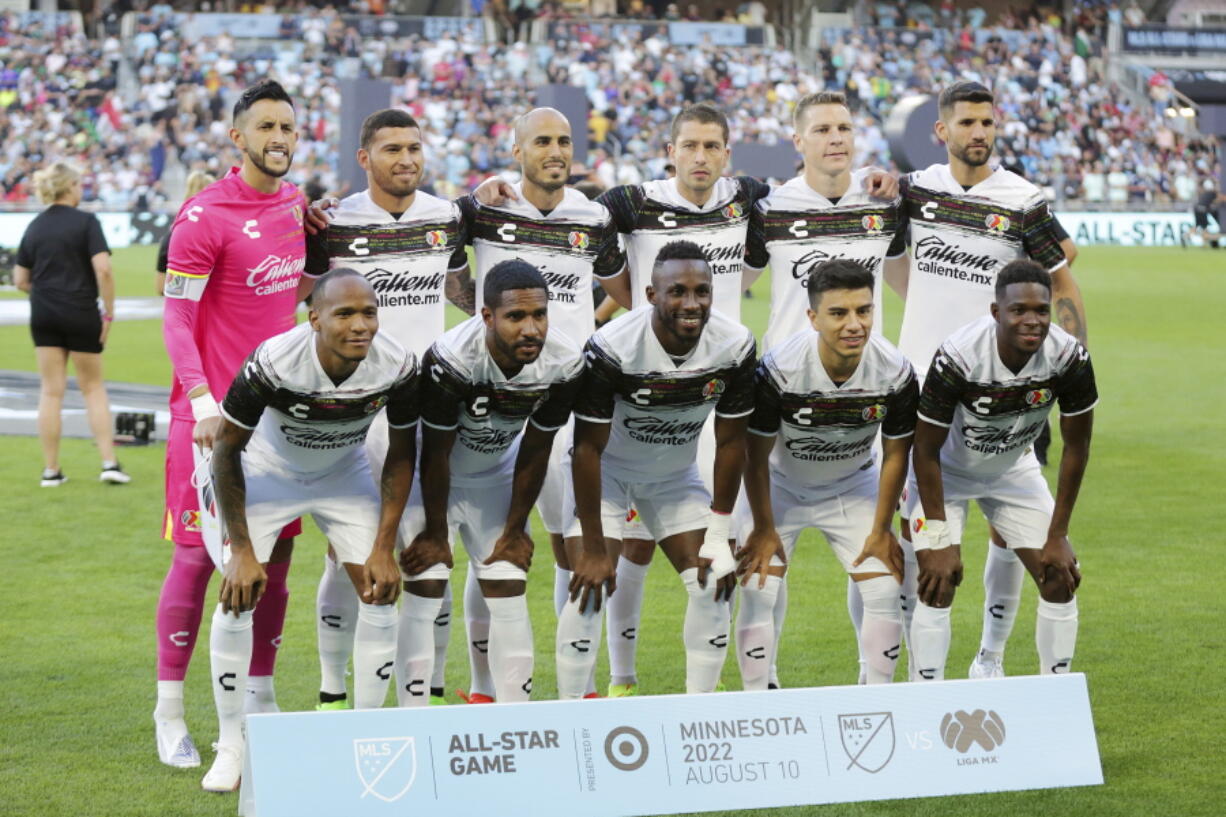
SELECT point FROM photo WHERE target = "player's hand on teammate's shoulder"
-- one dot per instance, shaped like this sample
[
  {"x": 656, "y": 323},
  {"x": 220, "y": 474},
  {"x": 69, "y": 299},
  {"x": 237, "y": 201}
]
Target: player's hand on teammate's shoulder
[
  {"x": 242, "y": 581},
  {"x": 380, "y": 578},
  {"x": 593, "y": 572},
  {"x": 495, "y": 192},
  {"x": 514, "y": 546},
  {"x": 204, "y": 433},
  {"x": 425, "y": 551},
  {"x": 880, "y": 184},
  {"x": 940, "y": 573},
  {"x": 755, "y": 555},
  {"x": 317, "y": 217},
  {"x": 884, "y": 546},
  {"x": 1058, "y": 563}
]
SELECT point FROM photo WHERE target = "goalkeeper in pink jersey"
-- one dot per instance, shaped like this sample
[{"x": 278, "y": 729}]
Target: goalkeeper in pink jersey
[{"x": 237, "y": 254}]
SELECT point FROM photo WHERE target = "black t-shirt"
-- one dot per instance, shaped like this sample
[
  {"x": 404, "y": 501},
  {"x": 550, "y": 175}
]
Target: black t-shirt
[
  {"x": 57, "y": 248},
  {"x": 164, "y": 253}
]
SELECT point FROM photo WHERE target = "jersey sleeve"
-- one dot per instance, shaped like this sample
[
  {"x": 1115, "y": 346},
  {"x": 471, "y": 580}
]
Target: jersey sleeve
[
  {"x": 902, "y": 234},
  {"x": 555, "y": 411},
  {"x": 610, "y": 257},
  {"x": 1076, "y": 389},
  {"x": 317, "y": 261},
  {"x": 1058, "y": 228},
  {"x": 1041, "y": 236},
  {"x": 624, "y": 204},
  {"x": 193, "y": 253},
  {"x": 403, "y": 399},
  {"x": 767, "y": 403},
  {"x": 943, "y": 388},
  {"x": 756, "y": 254},
  {"x": 25, "y": 256},
  {"x": 94, "y": 237},
  {"x": 463, "y": 221},
  {"x": 250, "y": 392},
  {"x": 595, "y": 399},
  {"x": 737, "y": 399},
  {"x": 443, "y": 389},
  {"x": 901, "y": 407},
  {"x": 754, "y": 189}
]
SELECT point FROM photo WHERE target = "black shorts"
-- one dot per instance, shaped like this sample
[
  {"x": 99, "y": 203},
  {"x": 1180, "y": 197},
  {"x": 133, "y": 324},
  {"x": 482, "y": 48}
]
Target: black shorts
[
  {"x": 1202, "y": 219},
  {"x": 76, "y": 330}
]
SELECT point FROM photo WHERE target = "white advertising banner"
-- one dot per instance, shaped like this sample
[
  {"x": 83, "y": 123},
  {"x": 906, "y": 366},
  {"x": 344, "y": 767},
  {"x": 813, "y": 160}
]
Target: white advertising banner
[{"x": 1126, "y": 229}]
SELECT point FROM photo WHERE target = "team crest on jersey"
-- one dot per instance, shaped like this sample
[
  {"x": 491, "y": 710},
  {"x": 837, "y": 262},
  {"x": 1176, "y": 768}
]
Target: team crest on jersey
[
  {"x": 873, "y": 224},
  {"x": 733, "y": 210},
  {"x": 297, "y": 211},
  {"x": 578, "y": 240},
  {"x": 1038, "y": 397},
  {"x": 873, "y": 413},
  {"x": 436, "y": 238},
  {"x": 713, "y": 388},
  {"x": 376, "y": 404},
  {"x": 190, "y": 521},
  {"x": 997, "y": 223}
]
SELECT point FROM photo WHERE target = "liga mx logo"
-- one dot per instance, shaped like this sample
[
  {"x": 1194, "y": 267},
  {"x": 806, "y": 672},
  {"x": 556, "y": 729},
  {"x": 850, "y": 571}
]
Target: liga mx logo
[
  {"x": 436, "y": 238},
  {"x": 961, "y": 730},
  {"x": 868, "y": 739},
  {"x": 733, "y": 211},
  {"x": 872, "y": 413},
  {"x": 577, "y": 240},
  {"x": 1038, "y": 397},
  {"x": 873, "y": 224},
  {"x": 713, "y": 388},
  {"x": 387, "y": 767},
  {"x": 996, "y": 223}
]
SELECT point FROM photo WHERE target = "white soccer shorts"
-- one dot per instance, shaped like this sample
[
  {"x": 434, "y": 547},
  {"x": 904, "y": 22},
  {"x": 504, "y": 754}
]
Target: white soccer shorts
[
  {"x": 666, "y": 508},
  {"x": 552, "y": 503},
  {"x": 479, "y": 514}
]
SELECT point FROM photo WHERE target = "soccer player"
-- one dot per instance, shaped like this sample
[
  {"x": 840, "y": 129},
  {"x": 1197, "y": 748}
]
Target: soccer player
[
  {"x": 819, "y": 402},
  {"x": 236, "y": 259},
  {"x": 496, "y": 389},
  {"x": 322, "y": 383},
  {"x": 967, "y": 221},
  {"x": 653, "y": 377},
  {"x": 987, "y": 394},
  {"x": 410, "y": 247}
]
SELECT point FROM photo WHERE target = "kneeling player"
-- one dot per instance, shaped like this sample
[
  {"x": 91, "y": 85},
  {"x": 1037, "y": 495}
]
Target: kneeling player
[
  {"x": 985, "y": 400},
  {"x": 818, "y": 403},
  {"x": 496, "y": 389},
  {"x": 323, "y": 384},
  {"x": 653, "y": 377}
]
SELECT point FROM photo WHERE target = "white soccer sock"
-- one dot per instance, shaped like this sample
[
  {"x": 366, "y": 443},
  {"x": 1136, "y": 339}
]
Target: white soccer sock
[
  {"x": 779, "y": 613},
  {"x": 477, "y": 624},
  {"x": 511, "y": 655},
  {"x": 855, "y": 611},
  {"x": 578, "y": 640},
  {"x": 930, "y": 633},
  {"x": 261, "y": 695},
  {"x": 625, "y": 609},
  {"x": 880, "y": 630},
  {"x": 1055, "y": 634},
  {"x": 170, "y": 702},
  {"x": 1003, "y": 573},
  {"x": 908, "y": 597},
  {"x": 442, "y": 637},
  {"x": 336, "y": 615},
  {"x": 755, "y": 631},
  {"x": 561, "y": 588},
  {"x": 705, "y": 634},
  {"x": 229, "y": 657},
  {"x": 415, "y": 653},
  {"x": 374, "y": 654}
]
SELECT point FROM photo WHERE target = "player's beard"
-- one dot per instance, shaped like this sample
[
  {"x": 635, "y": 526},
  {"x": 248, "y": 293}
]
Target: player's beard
[
  {"x": 964, "y": 156},
  {"x": 257, "y": 159},
  {"x": 549, "y": 185},
  {"x": 388, "y": 184}
]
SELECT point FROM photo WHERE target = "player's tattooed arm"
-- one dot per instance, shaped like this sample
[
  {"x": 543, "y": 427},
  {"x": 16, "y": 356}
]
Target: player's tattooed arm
[
  {"x": 1057, "y": 561},
  {"x": 243, "y": 578},
  {"x": 380, "y": 574},
  {"x": 594, "y": 574},
  {"x": 461, "y": 290},
  {"x": 430, "y": 546}
]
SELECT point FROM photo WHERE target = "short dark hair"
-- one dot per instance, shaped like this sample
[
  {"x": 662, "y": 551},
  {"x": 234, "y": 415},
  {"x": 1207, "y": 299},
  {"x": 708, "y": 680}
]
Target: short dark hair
[
  {"x": 679, "y": 251},
  {"x": 964, "y": 91},
  {"x": 511, "y": 274},
  {"x": 264, "y": 89},
  {"x": 839, "y": 273},
  {"x": 705, "y": 114},
  {"x": 325, "y": 281},
  {"x": 820, "y": 98},
  {"x": 1021, "y": 271},
  {"x": 386, "y": 118}
]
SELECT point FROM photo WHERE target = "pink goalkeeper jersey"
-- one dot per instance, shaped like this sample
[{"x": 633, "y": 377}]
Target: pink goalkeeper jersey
[{"x": 235, "y": 259}]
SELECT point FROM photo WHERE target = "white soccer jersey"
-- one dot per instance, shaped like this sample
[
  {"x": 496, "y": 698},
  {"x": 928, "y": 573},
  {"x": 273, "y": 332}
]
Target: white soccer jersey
[
  {"x": 653, "y": 214},
  {"x": 405, "y": 259},
  {"x": 826, "y": 432},
  {"x": 658, "y": 406},
  {"x": 994, "y": 414},
  {"x": 464, "y": 390},
  {"x": 796, "y": 228},
  {"x": 960, "y": 240},
  {"x": 572, "y": 243},
  {"x": 312, "y": 425}
]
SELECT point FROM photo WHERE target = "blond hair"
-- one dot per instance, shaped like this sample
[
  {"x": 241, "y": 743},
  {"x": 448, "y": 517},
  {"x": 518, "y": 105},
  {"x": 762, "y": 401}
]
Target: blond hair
[
  {"x": 197, "y": 180},
  {"x": 55, "y": 181}
]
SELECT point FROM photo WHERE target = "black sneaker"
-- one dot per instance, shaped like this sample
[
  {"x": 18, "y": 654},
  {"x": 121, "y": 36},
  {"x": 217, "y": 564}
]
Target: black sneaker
[
  {"x": 114, "y": 474},
  {"x": 53, "y": 479}
]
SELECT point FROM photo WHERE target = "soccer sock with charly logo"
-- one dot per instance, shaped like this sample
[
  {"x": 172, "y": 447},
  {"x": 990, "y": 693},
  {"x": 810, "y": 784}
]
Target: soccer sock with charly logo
[
  {"x": 930, "y": 634},
  {"x": 415, "y": 653},
  {"x": 511, "y": 653},
  {"x": 1055, "y": 635},
  {"x": 705, "y": 633},
  {"x": 1003, "y": 574},
  {"x": 230, "y": 655},
  {"x": 267, "y": 623},
  {"x": 374, "y": 654},
  {"x": 578, "y": 639},
  {"x": 625, "y": 611},
  {"x": 336, "y": 616},
  {"x": 442, "y": 637},
  {"x": 180, "y": 608},
  {"x": 477, "y": 625},
  {"x": 855, "y": 611},
  {"x": 880, "y": 630},
  {"x": 755, "y": 631}
]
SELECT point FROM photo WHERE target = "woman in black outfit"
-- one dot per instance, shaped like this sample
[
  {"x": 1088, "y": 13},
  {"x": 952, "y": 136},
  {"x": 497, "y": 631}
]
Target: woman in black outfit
[{"x": 64, "y": 263}]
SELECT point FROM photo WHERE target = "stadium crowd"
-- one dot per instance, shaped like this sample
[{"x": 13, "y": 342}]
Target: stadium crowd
[{"x": 1062, "y": 123}]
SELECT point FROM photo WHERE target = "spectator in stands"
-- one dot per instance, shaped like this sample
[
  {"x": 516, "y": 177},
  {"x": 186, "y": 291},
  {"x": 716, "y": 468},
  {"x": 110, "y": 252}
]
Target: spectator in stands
[{"x": 64, "y": 263}]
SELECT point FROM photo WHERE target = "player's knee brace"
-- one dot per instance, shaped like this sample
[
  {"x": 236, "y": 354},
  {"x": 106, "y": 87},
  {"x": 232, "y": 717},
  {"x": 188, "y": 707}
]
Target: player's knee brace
[{"x": 705, "y": 633}]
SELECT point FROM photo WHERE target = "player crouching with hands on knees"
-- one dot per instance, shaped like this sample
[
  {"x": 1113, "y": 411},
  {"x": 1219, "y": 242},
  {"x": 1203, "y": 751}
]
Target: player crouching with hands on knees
[
  {"x": 820, "y": 398},
  {"x": 985, "y": 400},
  {"x": 322, "y": 384}
]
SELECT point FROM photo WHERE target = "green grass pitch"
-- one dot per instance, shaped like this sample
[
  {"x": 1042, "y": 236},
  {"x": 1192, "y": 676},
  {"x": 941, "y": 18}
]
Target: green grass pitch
[{"x": 83, "y": 565}]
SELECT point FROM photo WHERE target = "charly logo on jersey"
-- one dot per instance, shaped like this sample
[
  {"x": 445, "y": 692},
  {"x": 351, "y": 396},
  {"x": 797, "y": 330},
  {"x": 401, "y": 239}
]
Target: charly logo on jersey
[
  {"x": 193, "y": 212},
  {"x": 868, "y": 739},
  {"x": 1038, "y": 397},
  {"x": 996, "y": 223},
  {"x": 249, "y": 229},
  {"x": 873, "y": 224},
  {"x": 873, "y": 413},
  {"x": 713, "y": 388},
  {"x": 275, "y": 274},
  {"x": 578, "y": 240},
  {"x": 387, "y": 767},
  {"x": 733, "y": 210},
  {"x": 436, "y": 238}
]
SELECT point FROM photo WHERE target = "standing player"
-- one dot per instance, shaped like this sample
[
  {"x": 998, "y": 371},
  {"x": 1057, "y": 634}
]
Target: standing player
[
  {"x": 322, "y": 382},
  {"x": 410, "y": 247},
  {"x": 819, "y": 402},
  {"x": 654, "y": 375},
  {"x": 236, "y": 258},
  {"x": 966, "y": 222},
  {"x": 987, "y": 395},
  {"x": 496, "y": 390}
]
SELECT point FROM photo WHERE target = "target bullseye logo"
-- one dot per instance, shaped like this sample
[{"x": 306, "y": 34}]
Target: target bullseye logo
[{"x": 626, "y": 748}]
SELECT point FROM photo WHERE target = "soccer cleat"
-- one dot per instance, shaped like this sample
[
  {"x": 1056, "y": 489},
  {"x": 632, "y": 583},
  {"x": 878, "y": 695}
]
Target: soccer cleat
[
  {"x": 53, "y": 479},
  {"x": 474, "y": 697},
  {"x": 175, "y": 745},
  {"x": 227, "y": 769},
  {"x": 591, "y": 696},
  {"x": 333, "y": 706},
  {"x": 986, "y": 666},
  {"x": 438, "y": 700},
  {"x": 623, "y": 690},
  {"x": 114, "y": 474}
]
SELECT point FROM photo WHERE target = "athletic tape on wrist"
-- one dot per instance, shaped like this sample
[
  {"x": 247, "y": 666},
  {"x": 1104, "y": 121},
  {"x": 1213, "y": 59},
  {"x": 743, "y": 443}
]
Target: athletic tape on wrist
[
  {"x": 931, "y": 534},
  {"x": 715, "y": 546},
  {"x": 204, "y": 407}
]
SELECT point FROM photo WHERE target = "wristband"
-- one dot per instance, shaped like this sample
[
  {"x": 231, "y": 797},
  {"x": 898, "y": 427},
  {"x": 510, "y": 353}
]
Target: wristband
[
  {"x": 715, "y": 546},
  {"x": 107, "y": 317},
  {"x": 931, "y": 534},
  {"x": 204, "y": 407}
]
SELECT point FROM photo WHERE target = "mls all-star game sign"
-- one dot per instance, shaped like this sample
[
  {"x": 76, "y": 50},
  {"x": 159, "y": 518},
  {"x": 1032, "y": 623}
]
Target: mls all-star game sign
[{"x": 673, "y": 754}]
